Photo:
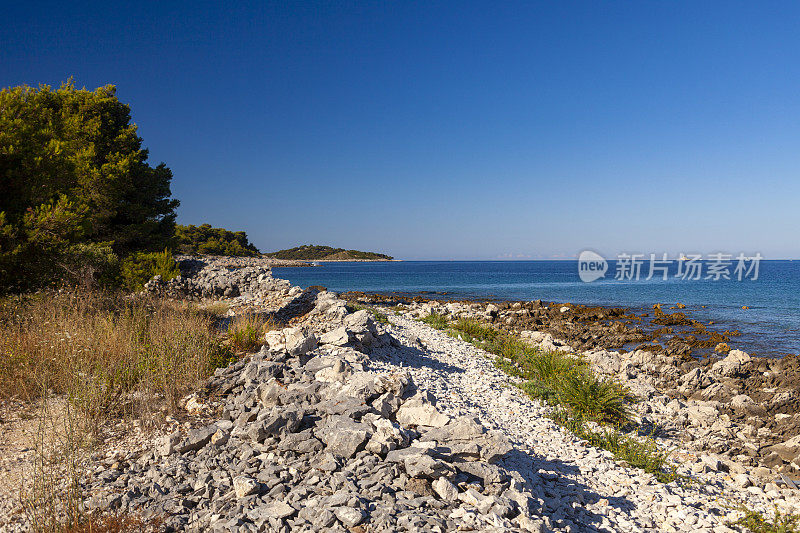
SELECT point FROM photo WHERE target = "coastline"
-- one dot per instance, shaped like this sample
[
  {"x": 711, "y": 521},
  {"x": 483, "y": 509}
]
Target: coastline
[
  {"x": 316, "y": 413},
  {"x": 741, "y": 407},
  {"x": 766, "y": 312},
  {"x": 736, "y": 405},
  {"x": 671, "y": 330}
]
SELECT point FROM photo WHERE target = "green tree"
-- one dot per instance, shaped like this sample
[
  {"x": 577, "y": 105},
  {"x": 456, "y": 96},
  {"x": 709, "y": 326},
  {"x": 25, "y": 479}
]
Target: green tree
[
  {"x": 206, "y": 240},
  {"x": 76, "y": 190}
]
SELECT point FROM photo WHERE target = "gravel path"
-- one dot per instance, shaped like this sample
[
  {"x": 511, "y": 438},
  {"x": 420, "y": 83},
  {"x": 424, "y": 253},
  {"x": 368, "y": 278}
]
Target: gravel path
[{"x": 580, "y": 488}]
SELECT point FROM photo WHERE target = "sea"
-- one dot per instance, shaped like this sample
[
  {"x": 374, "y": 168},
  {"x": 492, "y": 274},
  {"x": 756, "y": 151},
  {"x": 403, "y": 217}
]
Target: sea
[{"x": 765, "y": 309}]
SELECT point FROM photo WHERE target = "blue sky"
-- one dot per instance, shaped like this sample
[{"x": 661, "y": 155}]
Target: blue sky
[{"x": 460, "y": 130}]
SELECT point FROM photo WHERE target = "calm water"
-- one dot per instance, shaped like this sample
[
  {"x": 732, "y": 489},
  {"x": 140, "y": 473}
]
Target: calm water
[{"x": 770, "y": 327}]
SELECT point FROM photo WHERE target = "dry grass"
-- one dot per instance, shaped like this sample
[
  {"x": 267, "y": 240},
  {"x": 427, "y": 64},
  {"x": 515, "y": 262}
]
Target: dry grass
[
  {"x": 109, "y": 355},
  {"x": 246, "y": 331},
  {"x": 114, "y": 524},
  {"x": 51, "y": 495},
  {"x": 217, "y": 309},
  {"x": 86, "y": 358}
]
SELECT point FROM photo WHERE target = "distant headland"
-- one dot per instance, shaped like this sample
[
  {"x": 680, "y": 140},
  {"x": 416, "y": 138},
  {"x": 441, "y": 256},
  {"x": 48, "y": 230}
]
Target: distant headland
[{"x": 313, "y": 252}]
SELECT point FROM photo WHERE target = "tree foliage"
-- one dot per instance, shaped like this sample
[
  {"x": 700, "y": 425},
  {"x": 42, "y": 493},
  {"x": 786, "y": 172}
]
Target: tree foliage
[
  {"x": 206, "y": 240},
  {"x": 76, "y": 190},
  {"x": 138, "y": 268}
]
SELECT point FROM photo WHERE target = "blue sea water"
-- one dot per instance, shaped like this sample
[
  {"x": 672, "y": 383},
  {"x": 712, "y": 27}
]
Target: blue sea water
[{"x": 770, "y": 327}]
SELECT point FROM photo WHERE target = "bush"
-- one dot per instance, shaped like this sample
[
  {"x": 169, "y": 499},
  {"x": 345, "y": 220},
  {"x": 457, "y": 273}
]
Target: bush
[
  {"x": 475, "y": 329},
  {"x": 552, "y": 367},
  {"x": 638, "y": 452},
  {"x": 758, "y": 523},
  {"x": 594, "y": 398},
  {"x": 139, "y": 268}
]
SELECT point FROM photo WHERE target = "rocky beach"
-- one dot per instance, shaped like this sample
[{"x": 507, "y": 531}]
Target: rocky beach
[
  {"x": 366, "y": 419},
  {"x": 732, "y": 403}
]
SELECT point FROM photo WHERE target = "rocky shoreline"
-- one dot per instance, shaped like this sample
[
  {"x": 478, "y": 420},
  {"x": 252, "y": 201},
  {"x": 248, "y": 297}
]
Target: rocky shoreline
[
  {"x": 741, "y": 407},
  {"x": 343, "y": 422}
]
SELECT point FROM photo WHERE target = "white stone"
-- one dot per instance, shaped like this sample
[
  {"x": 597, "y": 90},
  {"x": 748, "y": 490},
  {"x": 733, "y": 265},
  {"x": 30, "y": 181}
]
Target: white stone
[
  {"x": 244, "y": 486},
  {"x": 446, "y": 490}
]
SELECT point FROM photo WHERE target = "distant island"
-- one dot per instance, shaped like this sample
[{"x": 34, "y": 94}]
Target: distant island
[
  {"x": 312, "y": 252},
  {"x": 207, "y": 240}
]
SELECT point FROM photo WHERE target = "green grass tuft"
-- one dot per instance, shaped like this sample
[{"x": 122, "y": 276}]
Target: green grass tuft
[
  {"x": 566, "y": 382},
  {"x": 638, "y": 452},
  {"x": 436, "y": 321},
  {"x": 475, "y": 329},
  {"x": 377, "y": 315},
  {"x": 593, "y": 398},
  {"x": 758, "y": 523}
]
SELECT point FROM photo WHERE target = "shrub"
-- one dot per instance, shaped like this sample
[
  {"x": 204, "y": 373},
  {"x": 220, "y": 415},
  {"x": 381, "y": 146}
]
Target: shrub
[
  {"x": 206, "y": 240},
  {"x": 638, "y": 452},
  {"x": 139, "y": 268},
  {"x": 594, "y": 398},
  {"x": 553, "y": 366},
  {"x": 507, "y": 365},
  {"x": 475, "y": 329}
]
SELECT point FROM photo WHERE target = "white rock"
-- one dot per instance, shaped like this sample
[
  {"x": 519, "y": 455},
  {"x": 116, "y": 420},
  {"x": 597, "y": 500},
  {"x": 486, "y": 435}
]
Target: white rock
[
  {"x": 337, "y": 337},
  {"x": 298, "y": 341},
  {"x": 736, "y": 362},
  {"x": 446, "y": 490},
  {"x": 416, "y": 412},
  {"x": 244, "y": 486},
  {"x": 275, "y": 341},
  {"x": 279, "y": 509},
  {"x": 348, "y": 516}
]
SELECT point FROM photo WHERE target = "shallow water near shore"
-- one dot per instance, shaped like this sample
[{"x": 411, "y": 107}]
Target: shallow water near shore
[{"x": 770, "y": 327}]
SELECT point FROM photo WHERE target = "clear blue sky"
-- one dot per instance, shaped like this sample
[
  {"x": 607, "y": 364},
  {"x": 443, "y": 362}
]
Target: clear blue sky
[{"x": 452, "y": 129}]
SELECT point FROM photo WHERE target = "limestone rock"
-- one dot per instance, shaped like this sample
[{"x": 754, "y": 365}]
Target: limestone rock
[
  {"x": 735, "y": 363},
  {"x": 349, "y": 516},
  {"x": 343, "y": 436},
  {"x": 337, "y": 337},
  {"x": 418, "y": 412},
  {"x": 445, "y": 489},
  {"x": 279, "y": 509},
  {"x": 299, "y": 341},
  {"x": 244, "y": 486}
]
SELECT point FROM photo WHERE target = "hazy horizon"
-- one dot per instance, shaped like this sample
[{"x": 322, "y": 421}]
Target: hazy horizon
[{"x": 456, "y": 131}]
